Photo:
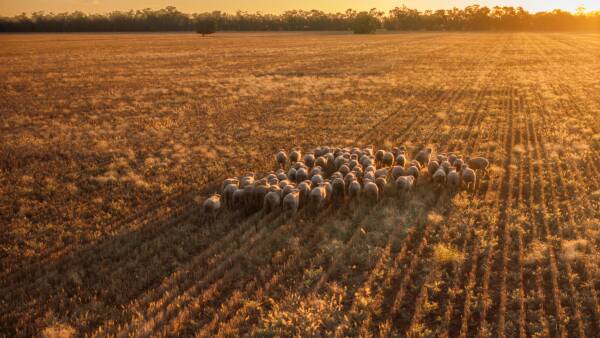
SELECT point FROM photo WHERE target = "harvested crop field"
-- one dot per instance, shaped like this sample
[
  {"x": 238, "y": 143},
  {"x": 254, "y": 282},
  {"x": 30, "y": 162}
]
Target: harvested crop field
[{"x": 109, "y": 144}]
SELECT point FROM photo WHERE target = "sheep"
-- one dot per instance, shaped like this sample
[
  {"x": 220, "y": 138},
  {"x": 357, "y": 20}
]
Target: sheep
[
  {"x": 439, "y": 177},
  {"x": 371, "y": 192},
  {"x": 413, "y": 171},
  {"x": 417, "y": 164},
  {"x": 354, "y": 190},
  {"x": 452, "y": 157},
  {"x": 247, "y": 180},
  {"x": 453, "y": 180},
  {"x": 291, "y": 203},
  {"x": 338, "y": 162},
  {"x": 344, "y": 170},
  {"x": 423, "y": 156},
  {"x": 284, "y": 183},
  {"x": 318, "y": 197},
  {"x": 458, "y": 163},
  {"x": 260, "y": 191},
  {"x": 291, "y": 175},
  {"x": 338, "y": 191},
  {"x": 401, "y": 159},
  {"x": 299, "y": 164},
  {"x": 349, "y": 178},
  {"x": 237, "y": 202},
  {"x": 432, "y": 167},
  {"x": 358, "y": 170},
  {"x": 379, "y": 156},
  {"x": 468, "y": 176},
  {"x": 478, "y": 163},
  {"x": 328, "y": 190},
  {"x": 286, "y": 190},
  {"x": 321, "y": 162},
  {"x": 309, "y": 160},
  {"x": 404, "y": 185},
  {"x": 446, "y": 165},
  {"x": 272, "y": 201},
  {"x": 281, "y": 158},
  {"x": 388, "y": 159},
  {"x": 272, "y": 179},
  {"x": 295, "y": 156},
  {"x": 381, "y": 172},
  {"x": 381, "y": 182},
  {"x": 304, "y": 187},
  {"x": 248, "y": 198},
  {"x": 317, "y": 179},
  {"x": 397, "y": 171},
  {"x": 228, "y": 195},
  {"x": 301, "y": 175},
  {"x": 229, "y": 181},
  {"x": 335, "y": 175},
  {"x": 212, "y": 206}
]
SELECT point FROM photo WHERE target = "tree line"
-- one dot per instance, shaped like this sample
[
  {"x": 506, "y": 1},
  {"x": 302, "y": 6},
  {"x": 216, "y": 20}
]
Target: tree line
[{"x": 400, "y": 18}]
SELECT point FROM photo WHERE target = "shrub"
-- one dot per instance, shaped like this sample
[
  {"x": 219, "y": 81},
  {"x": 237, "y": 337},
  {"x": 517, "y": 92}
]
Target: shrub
[
  {"x": 365, "y": 23},
  {"x": 206, "y": 26}
]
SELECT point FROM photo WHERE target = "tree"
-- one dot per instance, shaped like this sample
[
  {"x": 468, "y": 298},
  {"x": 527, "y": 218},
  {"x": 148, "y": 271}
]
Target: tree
[
  {"x": 365, "y": 23},
  {"x": 206, "y": 26}
]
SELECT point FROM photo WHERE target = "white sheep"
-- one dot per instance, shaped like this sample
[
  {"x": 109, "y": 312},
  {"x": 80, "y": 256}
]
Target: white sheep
[
  {"x": 371, "y": 192},
  {"x": 379, "y": 156},
  {"x": 338, "y": 191},
  {"x": 281, "y": 158},
  {"x": 381, "y": 172},
  {"x": 272, "y": 201},
  {"x": 413, "y": 171},
  {"x": 478, "y": 163},
  {"x": 388, "y": 159},
  {"x": 453, "y": 179},
  {"x": 317, "y": 179},
  {"x": 309, "y": 160},
  {"x": 304, "y": 187},
  {"x": 432, "y": 167},
  {"x": 397, "y": 171},
  {"x": 318, "y": 197},
  {"x": 439, "y": 177},
  {"x": 247, "y": 180},
  {"x": 354, "y": 190},
  {"x": 301, "y": 175},
  {"x": 295, "y": 156},
  {"x": 212, "y": 206},
  {"x": 228, "y": 192},
  {"x": 468, "y": 176},
  {"x": 423, "y": 156},
  {"x": 404, "y": 185},
  {"x": 381, "y": 182},
  {"x": 291, "y": 203}
]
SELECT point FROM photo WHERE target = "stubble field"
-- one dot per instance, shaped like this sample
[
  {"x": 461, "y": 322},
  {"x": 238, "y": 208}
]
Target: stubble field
[{"x": 109, "y": 143}]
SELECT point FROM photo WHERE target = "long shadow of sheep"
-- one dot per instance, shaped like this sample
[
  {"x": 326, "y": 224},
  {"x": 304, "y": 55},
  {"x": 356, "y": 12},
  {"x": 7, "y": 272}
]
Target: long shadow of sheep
[{"x": 101, "y": 277}]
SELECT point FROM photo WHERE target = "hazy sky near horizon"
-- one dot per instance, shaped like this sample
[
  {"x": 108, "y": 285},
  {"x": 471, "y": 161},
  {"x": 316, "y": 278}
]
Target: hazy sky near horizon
[{"x": 14, "y": 7}]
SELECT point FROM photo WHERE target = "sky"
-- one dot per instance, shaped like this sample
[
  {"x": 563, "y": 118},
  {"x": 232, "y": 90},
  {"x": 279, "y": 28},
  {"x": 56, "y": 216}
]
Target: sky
[{"x": 14, "y": 7}]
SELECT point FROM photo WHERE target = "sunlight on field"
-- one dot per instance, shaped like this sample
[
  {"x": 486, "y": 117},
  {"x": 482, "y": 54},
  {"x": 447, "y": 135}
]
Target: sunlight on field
[{"x": 109, "y": 143}]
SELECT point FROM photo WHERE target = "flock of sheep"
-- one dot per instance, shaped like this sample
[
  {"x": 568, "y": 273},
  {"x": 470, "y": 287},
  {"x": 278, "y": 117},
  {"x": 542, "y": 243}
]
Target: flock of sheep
[{"x": 330, "y": 176}]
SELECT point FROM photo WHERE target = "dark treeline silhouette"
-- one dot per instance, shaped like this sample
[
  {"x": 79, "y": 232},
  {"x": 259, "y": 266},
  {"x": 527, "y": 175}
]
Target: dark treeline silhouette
[{"x": 400, "y": 18}]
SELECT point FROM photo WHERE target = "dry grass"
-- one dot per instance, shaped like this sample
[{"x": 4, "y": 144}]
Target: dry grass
[{"x": 108, "y": 143}]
